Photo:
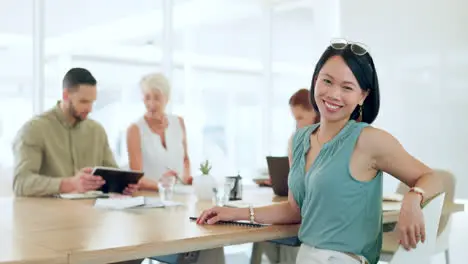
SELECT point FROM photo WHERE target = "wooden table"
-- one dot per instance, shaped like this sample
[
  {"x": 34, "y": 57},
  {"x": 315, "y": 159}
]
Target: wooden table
[
  {"x": 14, "y": 249},
  {"x": 89, "y": 235},
  {"x": 73, "y": 230}
]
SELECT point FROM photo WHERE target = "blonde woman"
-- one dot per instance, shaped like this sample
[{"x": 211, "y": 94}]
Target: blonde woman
[{"x": 157, "y": 142}]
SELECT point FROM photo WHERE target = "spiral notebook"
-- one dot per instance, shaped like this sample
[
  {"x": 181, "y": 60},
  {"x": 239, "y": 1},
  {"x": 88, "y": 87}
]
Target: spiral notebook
[{"x": 235, "y": 223}]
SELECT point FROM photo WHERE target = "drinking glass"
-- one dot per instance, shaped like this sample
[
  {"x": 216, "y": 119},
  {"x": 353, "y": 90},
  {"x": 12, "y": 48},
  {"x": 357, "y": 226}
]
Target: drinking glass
[
  {"x": 221, "y": 195},
  {"x": 166, "y": 187}
]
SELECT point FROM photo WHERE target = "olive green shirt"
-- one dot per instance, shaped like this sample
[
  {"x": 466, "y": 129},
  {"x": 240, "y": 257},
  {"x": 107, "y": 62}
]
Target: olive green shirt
[{"x": 48, "y": 148}]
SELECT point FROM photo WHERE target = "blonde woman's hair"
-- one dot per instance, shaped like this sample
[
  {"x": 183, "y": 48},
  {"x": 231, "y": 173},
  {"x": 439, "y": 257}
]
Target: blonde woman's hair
[{"x": 156, "y": 82}]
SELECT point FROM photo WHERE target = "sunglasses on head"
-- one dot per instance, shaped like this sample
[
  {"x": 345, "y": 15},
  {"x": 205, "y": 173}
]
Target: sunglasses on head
[{"x": 356, "y": 47}]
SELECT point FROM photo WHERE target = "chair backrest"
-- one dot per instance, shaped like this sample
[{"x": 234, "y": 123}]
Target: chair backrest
[
  {"x": 449, "y": 182},
  {"x": 423, "y": 251}
]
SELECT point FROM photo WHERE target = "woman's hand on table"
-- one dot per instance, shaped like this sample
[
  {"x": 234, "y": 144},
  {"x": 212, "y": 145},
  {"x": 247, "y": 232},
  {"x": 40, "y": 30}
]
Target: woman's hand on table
[{"x": 216, "y": 214}]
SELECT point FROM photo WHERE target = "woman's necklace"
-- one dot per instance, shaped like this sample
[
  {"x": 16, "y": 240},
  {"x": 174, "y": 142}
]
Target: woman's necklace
[
  {"x": 317, "y": 138},
  {"x": 158, "y": 124}
]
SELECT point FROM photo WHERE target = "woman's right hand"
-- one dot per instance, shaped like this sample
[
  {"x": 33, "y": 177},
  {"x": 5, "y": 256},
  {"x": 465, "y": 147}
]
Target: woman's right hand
[
  {"x": 215, "y": 214},
  {"x": 170, "y": 173}
]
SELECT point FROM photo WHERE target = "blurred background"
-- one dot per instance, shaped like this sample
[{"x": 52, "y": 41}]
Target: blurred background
[{"x": 233, "y": 65}]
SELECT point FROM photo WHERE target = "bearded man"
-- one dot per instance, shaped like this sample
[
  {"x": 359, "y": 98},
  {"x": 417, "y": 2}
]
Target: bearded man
[{"x": 56, "y": 151}]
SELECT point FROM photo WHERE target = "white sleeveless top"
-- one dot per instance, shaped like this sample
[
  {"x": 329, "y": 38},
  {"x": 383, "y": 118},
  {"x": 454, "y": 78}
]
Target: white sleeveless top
[{"x": 157, "y": 159}]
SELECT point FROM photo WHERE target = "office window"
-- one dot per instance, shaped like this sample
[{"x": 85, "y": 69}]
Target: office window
[
  {"x": 217, "y": 55},
  {"x": 293, "y": 63},
  {"x": 118, "y": 45},
  {"x": 225, "y": 122},
  {"x": 16, "y": 62},
  {"x": 282, "y": 123}
]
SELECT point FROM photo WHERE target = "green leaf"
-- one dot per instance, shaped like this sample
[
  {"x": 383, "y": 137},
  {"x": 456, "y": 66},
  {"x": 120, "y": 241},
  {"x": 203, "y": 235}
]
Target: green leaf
[{"x": 205, "y": 167}]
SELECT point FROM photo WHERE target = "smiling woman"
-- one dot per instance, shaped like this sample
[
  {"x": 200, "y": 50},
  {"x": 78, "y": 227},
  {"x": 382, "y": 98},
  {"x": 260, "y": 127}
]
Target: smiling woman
[
  {"x": 338, "y": 163},
  {"x": 353, "y": 83}
]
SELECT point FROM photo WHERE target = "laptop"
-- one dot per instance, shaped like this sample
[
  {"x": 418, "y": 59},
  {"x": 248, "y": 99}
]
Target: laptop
[{"x": 278, "y": 168}]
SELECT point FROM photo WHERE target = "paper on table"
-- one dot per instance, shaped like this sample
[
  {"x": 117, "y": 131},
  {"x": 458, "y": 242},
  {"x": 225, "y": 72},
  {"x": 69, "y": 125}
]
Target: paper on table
[
  {"x": 87, "y": 195},
  {"x": 152, "y": 202},
  {"x": 119, "y": 203},
  {"x": 133, "y": 202},
  {"x": 391, "y": 206}
]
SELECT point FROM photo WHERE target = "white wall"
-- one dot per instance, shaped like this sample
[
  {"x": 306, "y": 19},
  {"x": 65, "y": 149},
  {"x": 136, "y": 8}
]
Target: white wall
[{"x": 421, "y": 54}]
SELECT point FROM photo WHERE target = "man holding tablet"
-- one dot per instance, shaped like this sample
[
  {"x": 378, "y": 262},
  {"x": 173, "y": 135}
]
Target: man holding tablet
[{"x": 56, "y": 151}]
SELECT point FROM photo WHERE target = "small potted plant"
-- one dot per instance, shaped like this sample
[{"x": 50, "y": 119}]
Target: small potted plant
[{"x": 205, "y": 182}]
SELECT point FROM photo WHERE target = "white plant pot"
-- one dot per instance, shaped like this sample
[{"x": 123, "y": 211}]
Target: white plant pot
[{"x": 203, "y": 186}]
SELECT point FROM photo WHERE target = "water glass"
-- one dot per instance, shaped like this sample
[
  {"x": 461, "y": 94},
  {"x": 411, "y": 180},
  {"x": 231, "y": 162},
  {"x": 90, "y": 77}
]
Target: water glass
[
  {"x": 221, "y": 195},
  {"x": 166, "y": 187}
]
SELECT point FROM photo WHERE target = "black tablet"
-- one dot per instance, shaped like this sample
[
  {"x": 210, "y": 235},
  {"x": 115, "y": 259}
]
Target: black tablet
[{"x": 116, "y": 179}]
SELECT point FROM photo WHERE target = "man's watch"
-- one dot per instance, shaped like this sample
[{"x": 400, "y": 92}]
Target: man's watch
[{"x": 418, "y": 191}]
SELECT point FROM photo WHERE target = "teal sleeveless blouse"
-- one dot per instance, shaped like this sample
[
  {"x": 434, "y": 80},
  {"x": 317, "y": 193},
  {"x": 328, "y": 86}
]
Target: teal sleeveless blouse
[{"x": 338, "y": 212}]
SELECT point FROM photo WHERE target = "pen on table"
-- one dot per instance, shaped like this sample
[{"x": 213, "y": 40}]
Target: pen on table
[{"x": 177, "y": 176}]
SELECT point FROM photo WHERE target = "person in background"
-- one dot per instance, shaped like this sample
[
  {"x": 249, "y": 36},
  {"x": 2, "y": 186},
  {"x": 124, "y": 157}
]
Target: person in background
[
  {"x": 157, "y": 145},
  {"x": 157, "y": 142},
  {"x": 302, "y": 109},
  {"x": 56, "y": 151},
  {"x": 335, "y": 180},
  {"x": 305, "y": 115},
  {"x": 303, "y": 112}
]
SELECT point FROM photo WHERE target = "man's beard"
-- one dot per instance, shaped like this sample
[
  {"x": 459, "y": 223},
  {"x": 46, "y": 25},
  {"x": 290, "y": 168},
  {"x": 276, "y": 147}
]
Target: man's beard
[{"x": 72, "y": 111}]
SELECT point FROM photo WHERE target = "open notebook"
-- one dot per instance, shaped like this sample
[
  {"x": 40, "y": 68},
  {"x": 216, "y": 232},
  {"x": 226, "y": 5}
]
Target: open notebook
[{"x": 235, "y": 223}]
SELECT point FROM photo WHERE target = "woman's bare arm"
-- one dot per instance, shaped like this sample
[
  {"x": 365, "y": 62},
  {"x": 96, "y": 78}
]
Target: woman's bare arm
[
  {"x": 389, "y": 156},
  {"x": 134, "y": 148},
  {"x": 280, "y": 213},
  {"x": 283, "y": 213},
  {"x": 187, "y": 175}
]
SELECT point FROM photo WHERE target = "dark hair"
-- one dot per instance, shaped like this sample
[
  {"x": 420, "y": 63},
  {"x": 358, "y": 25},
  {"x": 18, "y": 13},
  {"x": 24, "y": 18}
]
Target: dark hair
[
  {"x": 76, "y": 76},
  {"x": 363, "y": 69}
]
